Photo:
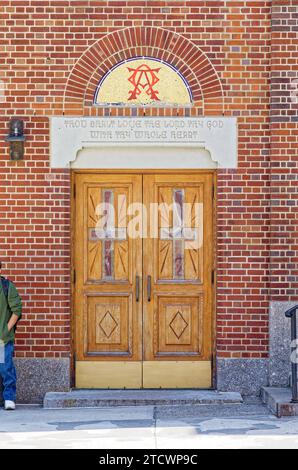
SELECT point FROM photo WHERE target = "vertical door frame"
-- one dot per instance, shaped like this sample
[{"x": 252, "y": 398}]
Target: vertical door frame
[
  {"x": 73, "y": 173},
  {"x": 72, "y": 280}
]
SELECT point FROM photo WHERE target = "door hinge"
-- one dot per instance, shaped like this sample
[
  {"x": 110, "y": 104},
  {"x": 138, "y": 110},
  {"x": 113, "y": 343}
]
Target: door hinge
[
  {"x": 73, "y": 276},
  {"x": 74, "y": 191},
  {"x": 212, "y": 276},
  {"x": 213, "y": 191}
]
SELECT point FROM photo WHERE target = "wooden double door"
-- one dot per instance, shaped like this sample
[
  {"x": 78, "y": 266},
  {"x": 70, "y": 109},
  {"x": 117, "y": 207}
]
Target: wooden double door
[{"x": 143, "y": 269}]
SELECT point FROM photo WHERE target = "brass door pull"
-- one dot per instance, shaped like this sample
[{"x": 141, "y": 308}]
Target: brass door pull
[
  {"x": 137, "y": 288},
  {"x": 149, "y": 288}
]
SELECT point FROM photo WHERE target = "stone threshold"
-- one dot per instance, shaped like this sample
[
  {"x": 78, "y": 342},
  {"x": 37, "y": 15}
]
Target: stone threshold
[
  {"x": 104, "y": 398},
  {"x": 278, "y": 401}
]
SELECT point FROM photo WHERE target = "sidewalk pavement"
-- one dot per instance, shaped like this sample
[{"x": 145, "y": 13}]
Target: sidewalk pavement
[{"x": 247, "y": 425}]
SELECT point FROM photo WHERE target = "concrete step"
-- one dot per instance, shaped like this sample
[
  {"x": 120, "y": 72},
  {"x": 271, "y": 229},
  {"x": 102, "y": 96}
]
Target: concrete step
[
  {"x": 102, "y": 398},
  {"x": 278, "y": 401}
]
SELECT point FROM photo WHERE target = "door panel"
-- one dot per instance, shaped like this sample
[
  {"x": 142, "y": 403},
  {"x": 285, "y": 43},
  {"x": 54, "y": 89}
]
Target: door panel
[
  {"x": 111, "y": 317},
  {"x": 178, "y": 257},
  {"x": 107, "y": 262},
  {"x": 108, "y": 257},
  {"x": 179, "y": 324},
  {"x": 177, "y": 271}
]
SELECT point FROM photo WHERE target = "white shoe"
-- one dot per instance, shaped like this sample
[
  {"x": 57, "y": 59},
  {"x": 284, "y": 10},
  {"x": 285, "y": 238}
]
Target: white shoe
[{"x": 9, "y": 405}]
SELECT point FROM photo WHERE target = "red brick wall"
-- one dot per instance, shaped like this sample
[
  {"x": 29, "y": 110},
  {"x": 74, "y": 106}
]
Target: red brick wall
[
  {"x": 284, "y": 152},
  {"x": 34, "y": 241},
  {"x": 44, "y": 48}
]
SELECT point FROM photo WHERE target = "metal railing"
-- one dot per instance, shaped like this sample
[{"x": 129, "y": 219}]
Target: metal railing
[{"x": 292, "y": 314}]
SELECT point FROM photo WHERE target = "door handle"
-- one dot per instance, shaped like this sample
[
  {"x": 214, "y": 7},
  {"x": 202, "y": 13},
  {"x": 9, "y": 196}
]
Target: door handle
[
  {"x": 137, "y": 288},
  {"x": 149, "y": 288}
]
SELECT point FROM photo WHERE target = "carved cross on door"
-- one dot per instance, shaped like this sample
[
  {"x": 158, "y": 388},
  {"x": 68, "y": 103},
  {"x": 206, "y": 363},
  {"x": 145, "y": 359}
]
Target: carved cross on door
[
  {"x": 178, "y": 234},
  {"x": 107, "y": 233}
]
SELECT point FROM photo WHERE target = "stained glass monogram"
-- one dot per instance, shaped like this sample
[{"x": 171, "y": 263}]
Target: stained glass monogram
[
  {"x": 143, "y": 81},
  {"x": 143, "y": 77}
]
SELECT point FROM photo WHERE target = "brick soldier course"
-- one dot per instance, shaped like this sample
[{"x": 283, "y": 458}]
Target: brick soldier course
[{"x": 240, "y": 59}]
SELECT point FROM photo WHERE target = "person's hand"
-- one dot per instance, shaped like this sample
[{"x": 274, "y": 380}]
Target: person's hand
[{"x": 12, "y": 321}]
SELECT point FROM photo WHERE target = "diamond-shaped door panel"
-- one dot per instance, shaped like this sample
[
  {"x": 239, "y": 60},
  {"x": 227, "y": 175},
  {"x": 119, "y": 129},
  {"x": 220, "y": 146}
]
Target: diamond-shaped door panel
[
  {"x": 108, "y": 320},
  {"x": 177, "y": 323},
  {"x": 108, "y": 324}
]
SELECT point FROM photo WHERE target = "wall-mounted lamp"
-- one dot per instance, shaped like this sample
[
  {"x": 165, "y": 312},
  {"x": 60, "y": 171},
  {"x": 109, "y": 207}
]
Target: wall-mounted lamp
[{"x": 16, "y": 139}]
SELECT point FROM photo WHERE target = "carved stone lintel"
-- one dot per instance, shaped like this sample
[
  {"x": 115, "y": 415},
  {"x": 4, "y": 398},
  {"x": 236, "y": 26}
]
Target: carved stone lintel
[{"x": 218, "y": 135}]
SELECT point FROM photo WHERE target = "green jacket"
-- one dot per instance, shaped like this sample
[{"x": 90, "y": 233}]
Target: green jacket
[{"x": 8, "y": 306}]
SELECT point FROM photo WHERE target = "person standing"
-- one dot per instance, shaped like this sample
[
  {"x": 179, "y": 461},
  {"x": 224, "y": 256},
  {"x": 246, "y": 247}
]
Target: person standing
[{"x": 10, "y": 314}]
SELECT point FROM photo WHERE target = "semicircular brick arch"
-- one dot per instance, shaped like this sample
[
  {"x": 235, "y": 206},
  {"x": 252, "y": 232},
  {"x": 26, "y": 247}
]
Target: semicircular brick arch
[{"x": 155, "y": 42}]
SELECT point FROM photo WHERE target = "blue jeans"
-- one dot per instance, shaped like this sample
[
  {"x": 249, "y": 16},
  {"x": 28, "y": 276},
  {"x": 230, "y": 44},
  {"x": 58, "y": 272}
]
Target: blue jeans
[{"x": 8, "y": 373}]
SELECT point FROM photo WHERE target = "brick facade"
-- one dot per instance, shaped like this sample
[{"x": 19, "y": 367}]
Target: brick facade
[
  {"x": 284, "y": 151},
  {"x": 53, "y": 54}
]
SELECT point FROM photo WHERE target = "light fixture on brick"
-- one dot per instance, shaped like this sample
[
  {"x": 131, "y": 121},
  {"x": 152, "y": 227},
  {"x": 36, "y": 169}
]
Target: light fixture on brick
[{"x": 16, "y": 139}]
